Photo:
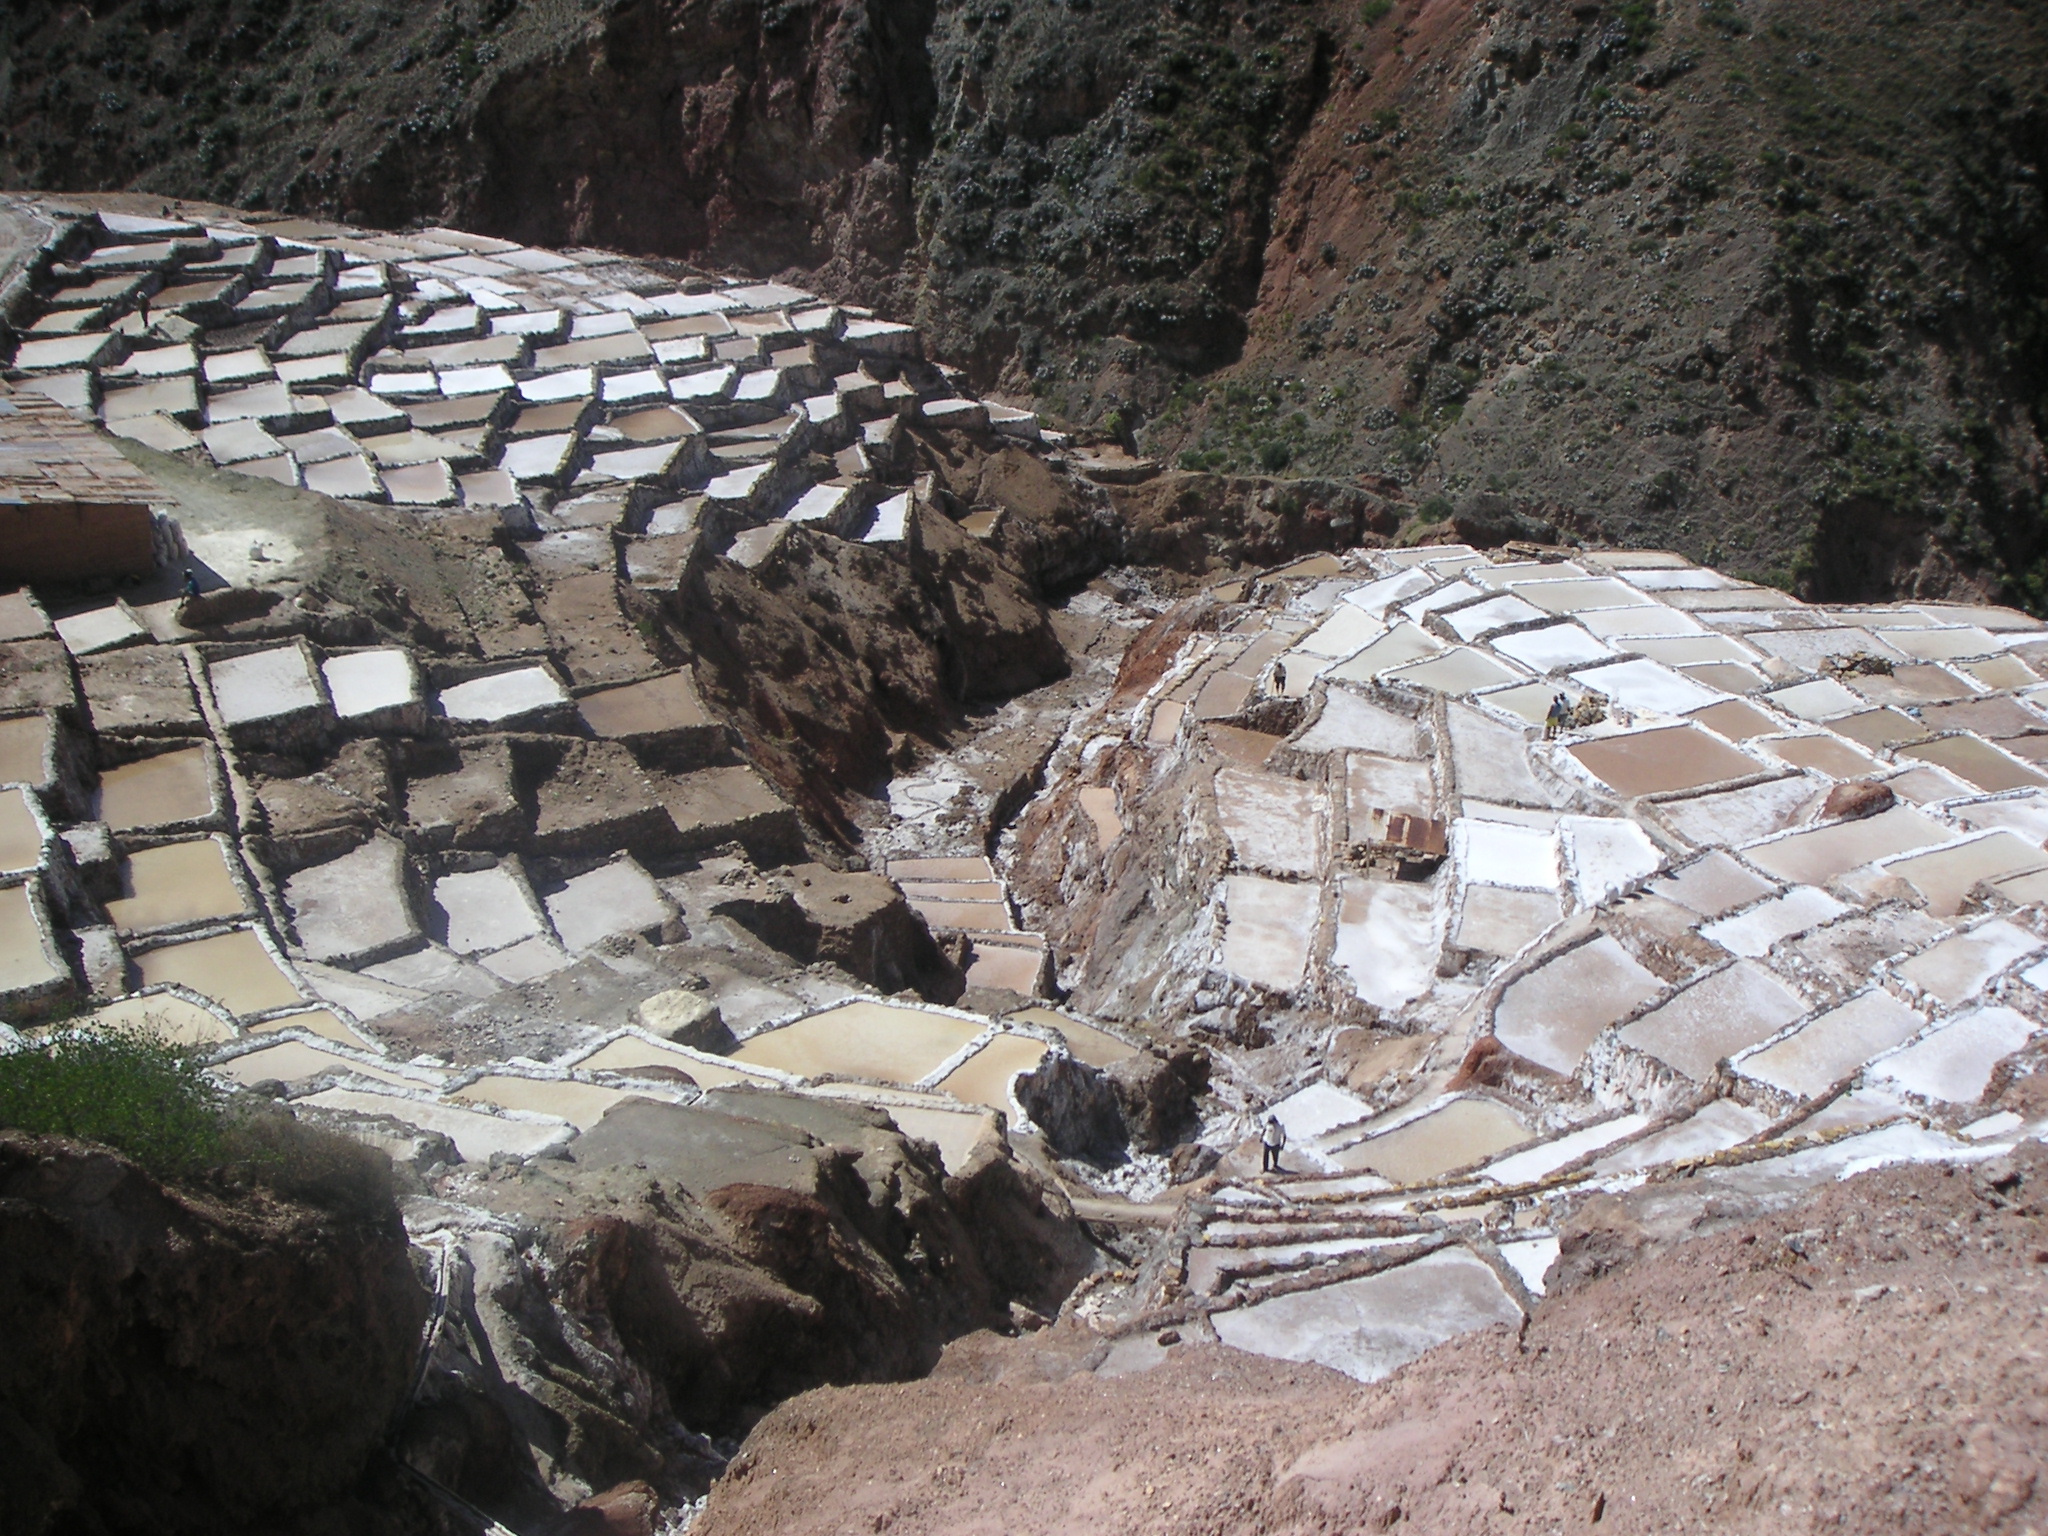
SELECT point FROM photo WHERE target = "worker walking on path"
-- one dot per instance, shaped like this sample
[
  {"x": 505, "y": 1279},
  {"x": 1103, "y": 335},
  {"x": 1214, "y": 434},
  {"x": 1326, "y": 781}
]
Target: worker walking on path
[{"x": 1271, "y": 1140}]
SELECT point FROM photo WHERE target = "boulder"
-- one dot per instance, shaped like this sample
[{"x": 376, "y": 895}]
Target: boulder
[
  {"x": 1856, "y": 800},
  {"x": 1156, "y": 1094},
  {"x": 686, "y": 1017},
  {"x": 1075, "y": 1108}
]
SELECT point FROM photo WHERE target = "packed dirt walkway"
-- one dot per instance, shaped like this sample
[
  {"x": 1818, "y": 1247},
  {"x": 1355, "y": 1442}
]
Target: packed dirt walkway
[{"x": 1867, "y": 1361}]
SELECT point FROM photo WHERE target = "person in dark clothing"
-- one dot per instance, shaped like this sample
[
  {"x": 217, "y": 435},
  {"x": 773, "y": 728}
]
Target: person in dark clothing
[{"x": 1271, "y": 1140}]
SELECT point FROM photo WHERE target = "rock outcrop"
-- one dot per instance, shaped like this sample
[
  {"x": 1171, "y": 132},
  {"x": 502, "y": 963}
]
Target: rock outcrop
[
  {"x": 691, "y": 1267},
  {"x": 181, "y": 1360}
]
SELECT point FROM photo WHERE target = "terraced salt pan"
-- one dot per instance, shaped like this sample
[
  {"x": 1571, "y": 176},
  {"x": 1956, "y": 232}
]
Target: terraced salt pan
[
  {"x": 1606, "y": 854},
  {"x": 1540, "y": 1162},
  {"x": 1097, "y": 1047},
  {"x": 234, "y": 969},
  {"x": 1976, "y": 762},
  {"x": 1317, "y": 1110},
  {"x": 1345, "y": 633},
  {"x": 1715, "y": 1127},
  {"x": 1396, "y": 648},
  {"x": 1663, "y": 760},
  {"x": 29, "y": 961},
  {"x": 1531, "y": 1259},
  {"x": 175, "y": 884},
  {"x": 1830, "y": 1047},
  {"x": 1458, "y": 670},
  {"x": 1754, "y": 931},
  {"x": 165, "y": 1015},
  {"x": 503, "y": 697},
  {"x": 1714, "y": 1018},
  {"x": 1815, "y": 857},
  {"x": 1386, "y": 940},
  {"x": 1496, "y": 921},
  {"x": 984, "y": 1078},
  {"x": 1712, "y": 886},
  {"x": 1958, "y": 967},
  {"x": 1370, "y": 1327},
  {"x": 488, "y": 909},
  {"x": 954, "y": 1133},
  {"x": 1267, "y": 928},
  {"x": 614, "y": 899},
  {"x": 862, "y": 1039},
  {"x": 1646, "y": 687},
  {"x": 1823, "y": 754},
  {"x": 25, "y": 749},
  {"x": 1352, "y": 723},
  {"x": 265, "y": 685},
  {"x": 1728, "y": 818},
  {"x": 371, "y": 682},
  {"x": 1495, "y": 613},
  {"x": 1497, "y": 853},
  {"x": 1456, "y": 1133},
  {"x": 631, "y": 1053},
  {"x": 1821, "y": 700},
  {"x": 1274, "y": 823},
  {"x": 293, "y": 1061},
  {"x": 1377, "y": 597},
  {"x": 1945, "y": 875},
  {"x": 1953, "y": 1064},
  {"x": 1556, "y": 645},
  {"x": 1551, "y": 1015},
  {"x": 476, "y": 1136},
  {"x": 581, "y": 1104}
]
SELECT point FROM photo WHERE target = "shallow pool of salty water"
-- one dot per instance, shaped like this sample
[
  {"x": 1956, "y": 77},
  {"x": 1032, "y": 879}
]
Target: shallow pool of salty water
[
  {"x": 1097, "y": 1047},
  {"x": 630, "y": 1053},
  {"x": 24, "y": 746},
  {"x": 25, "y": 956},
  {"x": 165, "y": 1015},
  {"x": 234, "y": 969},
  {"x": 1454, "y": 1135},
  {"x": 862, "y": 1039},
  {"x": 161, "y": 791},
  {"x": 21, "y": 839},
  {"x": 581, "y": 1104},
  {"x": 984, "y": 1078},
  {"x": 177, "y": 883}
]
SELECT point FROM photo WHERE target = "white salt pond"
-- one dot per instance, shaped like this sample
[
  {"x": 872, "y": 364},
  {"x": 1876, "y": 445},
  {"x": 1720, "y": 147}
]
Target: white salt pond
[
  {"x": 1716, "y": 1127},
  {"x": 1266, "y": 930},
  {"x": 503, "y": 697},
  {"x": 1386, "y": 939},
  {"x": 1953, "y": 1063},
  {"x": 265, "y": 685},
  {"x": 1551, "y": 1015},
  {"x": 1715, "y": 1017},
  {"x": 1369, "y": 1328},
  {"x": 1836, "y": 1043}
]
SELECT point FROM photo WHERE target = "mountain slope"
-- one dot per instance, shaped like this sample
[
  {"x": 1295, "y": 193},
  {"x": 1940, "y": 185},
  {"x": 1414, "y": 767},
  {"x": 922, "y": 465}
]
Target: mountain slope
[{"x": 1764, "y": 282}]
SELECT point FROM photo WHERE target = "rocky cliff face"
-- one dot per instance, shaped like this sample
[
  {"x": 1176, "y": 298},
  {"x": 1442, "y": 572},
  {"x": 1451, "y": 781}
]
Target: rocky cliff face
[
  {"x": 1763, "y": 284},
  {"x": 689, "y": 1269},
  {"x": 181, "y": 1362}
]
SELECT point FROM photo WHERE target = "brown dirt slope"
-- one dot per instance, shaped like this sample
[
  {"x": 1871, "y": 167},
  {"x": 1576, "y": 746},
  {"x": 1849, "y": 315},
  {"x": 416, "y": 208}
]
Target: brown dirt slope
[
  {"x": 188, "y": 1359},
  {"x": 1868, "y": 1360}
]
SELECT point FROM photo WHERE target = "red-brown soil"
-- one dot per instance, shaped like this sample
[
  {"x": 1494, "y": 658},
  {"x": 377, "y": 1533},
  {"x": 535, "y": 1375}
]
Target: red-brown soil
[{"x": 1867, "y": 1361}]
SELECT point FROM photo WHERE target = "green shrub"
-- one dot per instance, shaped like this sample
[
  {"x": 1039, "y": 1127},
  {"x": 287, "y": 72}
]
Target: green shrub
[
  {"x": 126, "y": 1089},
  {"x": 1373, "y": 12},
  {"x": 1435, "y": 510},
  {"x": 1275, "y": 456},
  {"x": 130, "y": 1090}
]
